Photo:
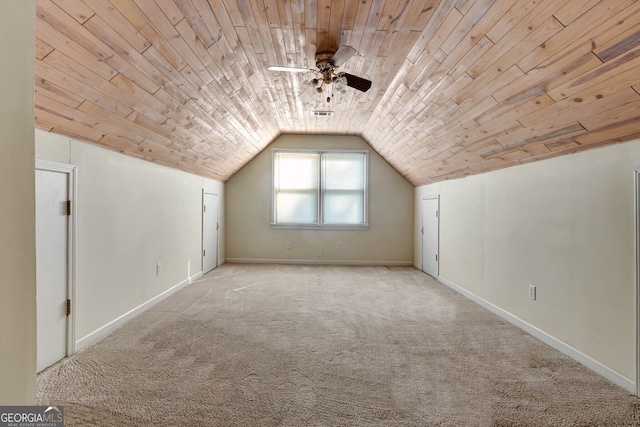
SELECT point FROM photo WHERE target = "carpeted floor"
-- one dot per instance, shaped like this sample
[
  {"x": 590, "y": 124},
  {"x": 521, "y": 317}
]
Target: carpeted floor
[{"x": 278, "y": 345}]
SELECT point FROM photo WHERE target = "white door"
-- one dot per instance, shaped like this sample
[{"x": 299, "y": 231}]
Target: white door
[
  {"x": 209, "y": 232},
  {"x": 52, "y": 265},
  {"x": 430, "y": 218}
]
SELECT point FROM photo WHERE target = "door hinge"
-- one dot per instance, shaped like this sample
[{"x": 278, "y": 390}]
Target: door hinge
[
  {"x": 68, "y": 307},
  {"x": 204, "y": 252},
  {"x": 217, "y": 226},
  {"x": 69, "y": 207},
  {"x": 422, "y": 230},
  {"x": 436, "y": 257},
  {"x": 437, "y": 214},
  {"x": 204, "y": 208}
]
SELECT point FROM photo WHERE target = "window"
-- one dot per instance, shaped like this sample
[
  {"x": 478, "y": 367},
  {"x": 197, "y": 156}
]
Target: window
[{"x": 325, "y": 189}]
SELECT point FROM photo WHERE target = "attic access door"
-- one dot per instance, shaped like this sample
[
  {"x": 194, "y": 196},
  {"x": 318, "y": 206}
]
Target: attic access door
[
  {"x": 55, "y": 211},
  {"x": 209, "y": 231},
  {"x": 430, "y": 238}
]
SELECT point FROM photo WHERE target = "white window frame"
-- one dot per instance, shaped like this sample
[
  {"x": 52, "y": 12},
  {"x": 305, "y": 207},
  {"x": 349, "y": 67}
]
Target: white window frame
[{"x": 320, "y": 192}]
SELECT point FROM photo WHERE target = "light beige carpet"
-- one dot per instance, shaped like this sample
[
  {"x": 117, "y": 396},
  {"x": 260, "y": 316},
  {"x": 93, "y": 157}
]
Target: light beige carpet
[{"x": 265, "y": 345}]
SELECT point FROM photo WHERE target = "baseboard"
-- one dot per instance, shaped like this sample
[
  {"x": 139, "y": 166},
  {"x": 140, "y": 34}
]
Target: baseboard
[
  {"x": 314, "y": 262},
  {"x": 193, "y": 278},
  {"x": 103, "y": 331},
  {"x": 577, "y": 355}
]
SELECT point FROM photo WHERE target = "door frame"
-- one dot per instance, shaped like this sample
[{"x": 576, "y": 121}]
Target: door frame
[
  {"x": 213, "y": 193},
  {"x": 437, "y": 198},
  {"x": 636, "y": 175},
  {"x": 72, "y": 190}
]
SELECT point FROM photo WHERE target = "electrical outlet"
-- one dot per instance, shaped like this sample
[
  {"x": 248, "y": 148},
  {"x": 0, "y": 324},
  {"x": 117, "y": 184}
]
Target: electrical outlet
[
  {"x": 319, "y": 252},
  {"x": 338, "y": 245},
  {"x": 288, "y": 244},
  {"x": 532, "y": 292}
]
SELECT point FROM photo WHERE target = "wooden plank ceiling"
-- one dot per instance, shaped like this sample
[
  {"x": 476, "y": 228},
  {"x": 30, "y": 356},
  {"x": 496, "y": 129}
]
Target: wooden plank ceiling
[{"x": 459, "y": 87}]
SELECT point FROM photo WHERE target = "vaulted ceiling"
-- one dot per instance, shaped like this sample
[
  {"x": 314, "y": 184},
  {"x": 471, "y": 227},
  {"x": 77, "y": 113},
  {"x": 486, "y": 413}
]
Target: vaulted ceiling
[{"x": 459, "y": 87}]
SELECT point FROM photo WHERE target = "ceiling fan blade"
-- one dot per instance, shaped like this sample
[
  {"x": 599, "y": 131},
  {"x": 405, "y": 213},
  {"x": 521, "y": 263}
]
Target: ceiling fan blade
[
  {"x": 289, "y": 69},
  {"x": 357, "y": 82},
  {"x": 342, "y": 55}
]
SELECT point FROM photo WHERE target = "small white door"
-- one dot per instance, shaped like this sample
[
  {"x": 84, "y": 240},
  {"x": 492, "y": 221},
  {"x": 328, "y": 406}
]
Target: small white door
[
  {"x": 430, "y": 217},
  {"x": 209, "y": 231},
  {"x": 52, "y": 265}
]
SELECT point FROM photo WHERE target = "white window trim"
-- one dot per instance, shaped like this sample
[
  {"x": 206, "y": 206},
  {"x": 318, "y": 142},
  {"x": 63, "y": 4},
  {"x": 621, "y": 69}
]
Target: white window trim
[{"x": 344, "y": 227}]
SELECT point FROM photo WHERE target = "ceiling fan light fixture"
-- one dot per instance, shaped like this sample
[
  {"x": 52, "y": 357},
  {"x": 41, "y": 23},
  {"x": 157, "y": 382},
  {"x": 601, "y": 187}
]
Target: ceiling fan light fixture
[
  {"x": 312, "y": 84},
  {"x": 340, "y": 83}
]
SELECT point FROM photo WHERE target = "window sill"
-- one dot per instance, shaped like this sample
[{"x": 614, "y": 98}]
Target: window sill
[{"x": 333, "y": 227}]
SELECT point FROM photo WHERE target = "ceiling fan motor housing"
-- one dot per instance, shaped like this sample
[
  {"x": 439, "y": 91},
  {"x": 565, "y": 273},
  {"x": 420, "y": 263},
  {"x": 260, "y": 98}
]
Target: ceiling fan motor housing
[{"x": 324, "y": 65}]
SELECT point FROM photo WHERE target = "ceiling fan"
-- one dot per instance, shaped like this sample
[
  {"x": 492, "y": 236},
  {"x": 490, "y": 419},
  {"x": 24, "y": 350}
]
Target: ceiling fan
[{"x": 326, "y": 64}]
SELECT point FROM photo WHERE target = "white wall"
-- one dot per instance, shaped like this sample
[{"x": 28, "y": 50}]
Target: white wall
[
  {"x": 250, "y": 236},
  {"x": 132, "y": 214},
  {"x": 565, "y": 225},
  {"x": 17, "y": 216}
]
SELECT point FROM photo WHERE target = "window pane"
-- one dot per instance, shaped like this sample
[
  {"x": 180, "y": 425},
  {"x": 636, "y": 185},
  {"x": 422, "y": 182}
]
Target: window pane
[
  {"x": 297, "y": 171},
  {"x": 344, "y": 183},
  {"x": 296, "y": 207},
  {"x": 343, "y": 207},
  {"x": 344, "y": 171},
  {"x": 296, "y": 187}
]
